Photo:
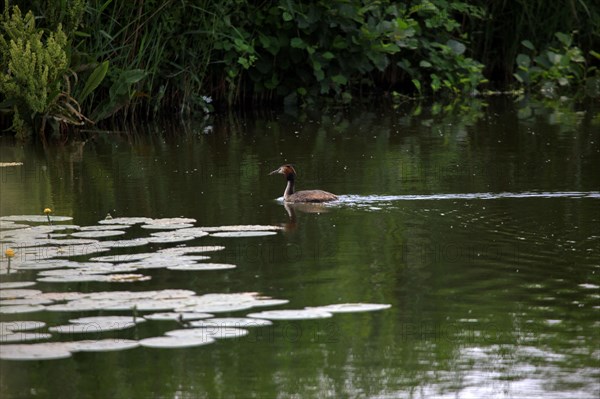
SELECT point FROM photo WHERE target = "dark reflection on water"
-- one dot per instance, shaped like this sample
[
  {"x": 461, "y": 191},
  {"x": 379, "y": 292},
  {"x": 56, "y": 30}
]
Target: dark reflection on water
[{"x": 479, "y": 224}]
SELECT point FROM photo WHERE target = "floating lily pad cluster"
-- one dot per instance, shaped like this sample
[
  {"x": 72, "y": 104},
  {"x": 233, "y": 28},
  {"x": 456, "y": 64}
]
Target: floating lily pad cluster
[{"x": 50, "y": 250}]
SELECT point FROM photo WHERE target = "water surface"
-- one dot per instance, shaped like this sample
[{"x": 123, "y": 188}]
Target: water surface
[{"x": 479, "y": 224}]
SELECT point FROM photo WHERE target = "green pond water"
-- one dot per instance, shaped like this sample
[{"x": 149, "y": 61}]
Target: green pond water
[{"x": 479, "y": 224}]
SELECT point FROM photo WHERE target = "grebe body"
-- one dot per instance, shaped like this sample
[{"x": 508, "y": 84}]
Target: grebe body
[{"x": 301, "y": 196}]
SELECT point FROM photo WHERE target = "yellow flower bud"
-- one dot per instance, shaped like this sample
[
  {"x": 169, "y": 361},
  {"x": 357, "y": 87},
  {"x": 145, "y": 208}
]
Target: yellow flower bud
[
  {"x": 47, "y": 211},
  {"x": 9, "y": 253}
]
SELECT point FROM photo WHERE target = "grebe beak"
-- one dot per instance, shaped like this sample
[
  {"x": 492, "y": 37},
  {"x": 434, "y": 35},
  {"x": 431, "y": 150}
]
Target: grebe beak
[{"x": 275, "y": 171}]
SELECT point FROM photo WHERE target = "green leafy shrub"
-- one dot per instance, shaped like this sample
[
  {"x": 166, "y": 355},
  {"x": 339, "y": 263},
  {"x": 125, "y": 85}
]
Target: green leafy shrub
[
  {"x": 35, "y": 78},
  {"x": 559, "y": 65},
  {"x": 304, "y": 50}
]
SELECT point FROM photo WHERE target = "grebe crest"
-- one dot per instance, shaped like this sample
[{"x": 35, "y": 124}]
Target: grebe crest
[{"x": 300, "y": 196}]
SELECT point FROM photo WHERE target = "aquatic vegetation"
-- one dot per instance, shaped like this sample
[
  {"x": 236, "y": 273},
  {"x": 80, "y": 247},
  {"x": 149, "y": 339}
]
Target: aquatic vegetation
[
  {"x": 21, "y": 309},
  {"x": 175, "y": 342},
  {"x": 104, "y": 227},
  {"x": 21, "y": 325},
  {"x": 9, "y": 253},
  {"x": 234, "y": 234},
  {"x": 173, "y": 316},
  {"x": 108, "y": 278},
  {"x": 292, "y": 314},
  {"x": 191, "y": 250},
  {"x": 6, "y": 225},
  {"x": 202, "y": 266},
  {"x": 352, "y": 307},
  {"x": 46, "y": 257},
  {"x": 18, "y": 293},
  {"x": 210, "y": 332},
  {"x": 16, "y": 284},
  {"x": 22, "y": 337},
  {"x": 125, "y": 220},
  {"x": 239, "y": 322},
  {"x": 166, "y": 226},
  {"x": 98, "y": 233},
  {"x": 35, "y": 218},
  {"x": 247, "y": 227},
  {"x": 134, "y": 242}
]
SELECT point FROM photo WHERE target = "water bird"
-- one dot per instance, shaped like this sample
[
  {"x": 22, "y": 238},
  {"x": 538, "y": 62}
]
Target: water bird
[{"x": 300, "y": 196}]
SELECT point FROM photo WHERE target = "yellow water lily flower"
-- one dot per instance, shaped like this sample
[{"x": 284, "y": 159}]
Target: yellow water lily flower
[
  {"x": 47, "y": 211},
  {"x": 9, "y": 253}
]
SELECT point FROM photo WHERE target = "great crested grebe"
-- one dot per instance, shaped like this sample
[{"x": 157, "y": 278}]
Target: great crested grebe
[{"x": 301, "y": 196}]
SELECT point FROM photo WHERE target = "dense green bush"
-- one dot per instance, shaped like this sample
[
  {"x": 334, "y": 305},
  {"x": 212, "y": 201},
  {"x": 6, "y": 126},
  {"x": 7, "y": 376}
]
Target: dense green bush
[
  {"x": 102, "y": 58},
  {"x": 297, "y": 49},
  {"x": 559, "y": 65}
]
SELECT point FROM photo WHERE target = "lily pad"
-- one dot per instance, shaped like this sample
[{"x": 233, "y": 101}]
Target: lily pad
[
  {"x": 111, "y": 278},
  {"x": 7, "y": 327},
  {"x": 191, "y": 250},
  {"x": 134, "y": 242},
  {"x": 98, "y": 233},
  {"x": 18, "y": 293},
  {"x": 159, "y": 262},
  {"x": 235, "y": 234},
  {"x": 22, "y": 337},
  {"x": 107, "y": 320},
  {"x": 351, "y": 307},
  {"x": 100, "y": 269},
  {"x": 170, "y": 239},
  {"x": 16, "y": 284},
  {"x": 167, "y": 226},
  {"x": 175, "y": 342},
  {"x": 121, "y": 257},
  {"x": 125, "y": 220},
  {"x": 103, "y": 345},
  {"x": 61, "y": 227},
  {"x": 93, "y": 327},
  {"x": 218, "y": 332},
  {"x": 202, "y": 266},
  {"x": 12, "y": 225},
  {"x": 171, "y": 221},
  {"x": 173, "y": 316},
  {"x": 193, "y": 231},
  {"x": 21, "y": 309},
  {"x": 43, "y": 351},
  {"x": 237, "y": 322},
  {"x": 35, "y": 218},
  {"x": 104, "y": 227},
  {"x": 251, "y": 227},
  {"x": 300, "y": 314},
  {"x": 46, "y": 264},
  {"x": 33, "y": 300}
]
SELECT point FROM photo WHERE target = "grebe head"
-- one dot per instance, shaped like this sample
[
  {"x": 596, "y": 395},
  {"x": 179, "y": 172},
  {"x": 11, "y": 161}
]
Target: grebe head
[{"x": 286, "y": 170}]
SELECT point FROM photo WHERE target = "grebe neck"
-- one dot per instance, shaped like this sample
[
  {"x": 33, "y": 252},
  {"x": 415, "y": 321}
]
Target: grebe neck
[{"x": 289, "y": 189}]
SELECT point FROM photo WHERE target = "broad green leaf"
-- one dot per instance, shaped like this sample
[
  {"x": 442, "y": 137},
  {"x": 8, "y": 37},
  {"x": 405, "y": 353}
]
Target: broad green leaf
[
  {"x": 564, "y": 38},
  {"x": 94, "y": 80},
  {"x": 133, "y": 76},
  {"x": 528, "y": 44},
  {"x": 417, "y": 84},
  {"x": 554, "y": 57},
  {"x": 328, "y": 55},
  {"x": 424, "y": 64},
  {"x": 523, "y": 61},
  {"x": 457, "y": 47},
  {"x": 287, "y": 16},
  {"x": 296, "y": 42},
  {"x": 339, "y": 79}
]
